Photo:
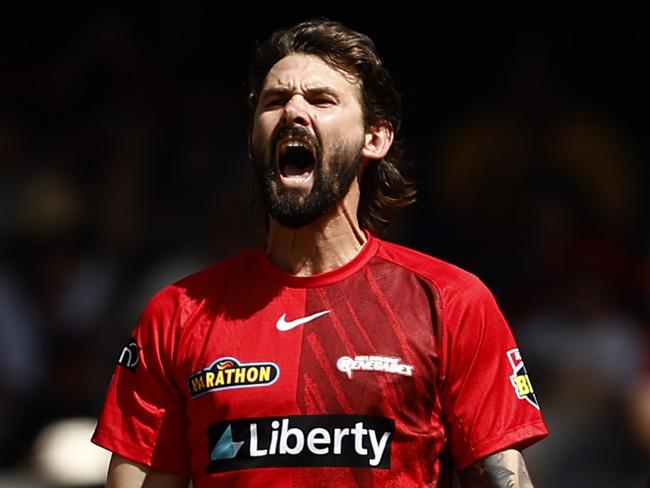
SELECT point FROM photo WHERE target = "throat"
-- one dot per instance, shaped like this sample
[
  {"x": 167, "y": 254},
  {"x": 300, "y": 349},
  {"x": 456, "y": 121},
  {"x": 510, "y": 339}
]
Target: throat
[{"x": 312, "y": 250}]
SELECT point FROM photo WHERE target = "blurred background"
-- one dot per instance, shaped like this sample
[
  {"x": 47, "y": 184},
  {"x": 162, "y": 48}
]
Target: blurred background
[{"x": 123, "y": 167}]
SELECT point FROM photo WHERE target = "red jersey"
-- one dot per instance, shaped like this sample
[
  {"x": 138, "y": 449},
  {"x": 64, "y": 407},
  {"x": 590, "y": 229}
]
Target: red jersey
[{"x": 389, "y": 371}]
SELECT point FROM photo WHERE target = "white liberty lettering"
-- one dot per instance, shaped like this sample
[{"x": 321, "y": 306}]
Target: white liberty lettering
[
  {"x": 255, "y": 452},
  {"x": 317, "y": 437},
  {"x": 378, "y": 447},
  {"x": 285, "y": 434}
]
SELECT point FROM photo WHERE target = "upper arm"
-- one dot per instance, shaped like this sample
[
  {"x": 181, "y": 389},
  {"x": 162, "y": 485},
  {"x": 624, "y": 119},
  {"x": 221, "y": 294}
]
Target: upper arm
[
  {"x": 505, "y": 469},
  {"x": 144, "y": 415},
  {"x": 123, "y": 473},
  {"x": 488, "y": 401}
]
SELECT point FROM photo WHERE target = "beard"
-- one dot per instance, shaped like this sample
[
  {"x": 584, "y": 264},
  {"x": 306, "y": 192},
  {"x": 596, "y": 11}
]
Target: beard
[{"x": 333, "y": 175}]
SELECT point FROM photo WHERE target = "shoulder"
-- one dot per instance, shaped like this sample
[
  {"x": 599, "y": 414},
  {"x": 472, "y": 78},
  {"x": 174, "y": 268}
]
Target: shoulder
[
  {"x": 449, "y": 279},
  {"x": 205, "y": 284},
  {"x": 219, "y": 273}
]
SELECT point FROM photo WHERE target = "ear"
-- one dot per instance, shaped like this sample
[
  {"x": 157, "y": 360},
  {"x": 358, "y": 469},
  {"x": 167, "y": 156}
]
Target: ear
[{"x": 378, "y": 141}]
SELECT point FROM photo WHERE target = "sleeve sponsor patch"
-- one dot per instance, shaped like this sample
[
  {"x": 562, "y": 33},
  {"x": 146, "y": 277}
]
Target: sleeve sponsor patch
[
  {"x": 520, "y": 380},
  {"x": 130, "y": 355}
]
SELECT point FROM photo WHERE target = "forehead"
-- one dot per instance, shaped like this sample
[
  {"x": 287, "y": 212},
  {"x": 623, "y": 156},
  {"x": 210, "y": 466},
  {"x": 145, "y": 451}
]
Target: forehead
[{"x": 305, "y": 71}]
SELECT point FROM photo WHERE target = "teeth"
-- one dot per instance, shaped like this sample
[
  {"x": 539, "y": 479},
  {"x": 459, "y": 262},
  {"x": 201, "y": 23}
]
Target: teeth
[
  {"x": 296, "y": 177},
  {"x": 288, "y": 144}
]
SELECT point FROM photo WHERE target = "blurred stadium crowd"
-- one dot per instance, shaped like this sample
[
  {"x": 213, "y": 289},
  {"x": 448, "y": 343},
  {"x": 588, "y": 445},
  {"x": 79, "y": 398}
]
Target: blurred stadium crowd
[{"x": 123, "y": 167}]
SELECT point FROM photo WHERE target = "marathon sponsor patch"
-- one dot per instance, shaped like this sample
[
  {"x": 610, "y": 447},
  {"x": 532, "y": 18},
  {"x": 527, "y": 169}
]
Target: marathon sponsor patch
[
  {"x": 130, "y": 355},
  {"x": 520, "y": 380},
  {"x": 357, "y": 441},
  {"x": 384, "y": 364},
  {"x": 227, "y": 373}
]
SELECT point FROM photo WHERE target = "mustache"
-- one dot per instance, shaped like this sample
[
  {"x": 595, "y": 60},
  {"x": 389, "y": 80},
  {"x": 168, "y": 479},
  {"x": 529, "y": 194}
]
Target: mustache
[
  {"x": 266, "y": 168},
  {"x": 296, "y": 132}
]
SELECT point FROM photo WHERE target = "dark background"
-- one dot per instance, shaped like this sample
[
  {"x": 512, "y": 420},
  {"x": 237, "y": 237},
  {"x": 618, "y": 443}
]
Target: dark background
[{"x": 123, "y": 167}]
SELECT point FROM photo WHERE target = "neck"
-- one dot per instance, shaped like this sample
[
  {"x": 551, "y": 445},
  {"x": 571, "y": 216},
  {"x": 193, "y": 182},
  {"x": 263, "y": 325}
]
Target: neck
[{"x": 324, "y": 245}]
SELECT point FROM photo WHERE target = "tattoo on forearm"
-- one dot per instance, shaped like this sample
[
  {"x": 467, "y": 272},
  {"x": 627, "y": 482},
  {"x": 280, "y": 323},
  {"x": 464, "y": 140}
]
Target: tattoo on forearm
[
  {"x": 524, "y": 478},
  {"x": 501, "y": 470}
]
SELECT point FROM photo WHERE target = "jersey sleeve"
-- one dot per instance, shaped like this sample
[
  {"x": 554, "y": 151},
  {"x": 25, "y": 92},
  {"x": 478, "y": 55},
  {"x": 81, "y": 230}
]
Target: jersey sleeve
[
  {"x": 488, "y": 399},
  {"x": 143, "y": 418}
]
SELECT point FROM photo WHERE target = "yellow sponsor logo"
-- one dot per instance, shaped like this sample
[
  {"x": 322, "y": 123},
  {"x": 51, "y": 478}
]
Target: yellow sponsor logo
[
  {"x": 522, "y": 385},
  {"x": 228, "y": 373}
]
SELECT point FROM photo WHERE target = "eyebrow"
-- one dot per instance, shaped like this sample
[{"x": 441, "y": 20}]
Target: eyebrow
[{"x": 314, "y": 90}]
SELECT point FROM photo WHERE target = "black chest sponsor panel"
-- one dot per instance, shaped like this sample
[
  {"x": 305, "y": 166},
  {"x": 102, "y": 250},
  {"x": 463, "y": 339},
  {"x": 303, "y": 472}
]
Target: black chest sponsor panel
[{"x": 359, "y": 441}]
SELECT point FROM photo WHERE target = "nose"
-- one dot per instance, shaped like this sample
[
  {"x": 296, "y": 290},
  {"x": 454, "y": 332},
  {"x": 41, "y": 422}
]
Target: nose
[{"x": 295, "y": 112}]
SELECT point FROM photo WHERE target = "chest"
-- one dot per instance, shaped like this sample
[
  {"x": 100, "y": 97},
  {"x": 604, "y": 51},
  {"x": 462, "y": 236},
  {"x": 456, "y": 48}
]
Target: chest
[{"x": 347, "y": 350}]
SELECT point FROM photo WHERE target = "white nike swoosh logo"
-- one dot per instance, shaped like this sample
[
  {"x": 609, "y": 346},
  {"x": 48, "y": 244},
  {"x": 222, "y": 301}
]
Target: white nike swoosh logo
[{"x": 283, "y": 326}]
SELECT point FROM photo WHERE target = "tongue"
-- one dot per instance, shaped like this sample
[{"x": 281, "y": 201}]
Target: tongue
[{"x": 292, "y": 170}]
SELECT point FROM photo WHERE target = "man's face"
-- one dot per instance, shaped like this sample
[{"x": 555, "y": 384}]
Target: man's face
[{"x": 308, "y": 133}]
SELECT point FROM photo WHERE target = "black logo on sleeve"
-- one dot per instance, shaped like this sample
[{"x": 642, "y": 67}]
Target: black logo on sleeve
[
  {"x": 130, "y": 355},
  {"x": 359, "y": 441},
  {"x": 520, "y": 380}
]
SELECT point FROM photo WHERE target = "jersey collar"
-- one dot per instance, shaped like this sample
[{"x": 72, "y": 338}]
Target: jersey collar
[{"x": 279, "y": 276}]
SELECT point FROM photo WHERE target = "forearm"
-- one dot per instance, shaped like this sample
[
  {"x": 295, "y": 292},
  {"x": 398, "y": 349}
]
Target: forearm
[
  {"x": 505, "y": 469},
  {"x": 123, "y": 473}
]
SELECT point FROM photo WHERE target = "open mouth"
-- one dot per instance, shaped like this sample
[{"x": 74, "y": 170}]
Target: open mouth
[{"x": 296, "y": 159}]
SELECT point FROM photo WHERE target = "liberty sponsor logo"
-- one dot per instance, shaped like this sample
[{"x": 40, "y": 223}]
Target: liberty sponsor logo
[
  {"x": 227, "y": 373},
  {"x": 358, "y": 441},
  {"x": 283, "y": 325},
  {"x": 385, "y": 364},
  {"x": 520, "y": 380},
  {"x": 130, "y": 355}
]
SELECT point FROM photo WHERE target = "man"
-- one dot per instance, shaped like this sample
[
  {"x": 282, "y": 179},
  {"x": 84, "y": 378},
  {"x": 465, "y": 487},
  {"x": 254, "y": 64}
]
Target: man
[{"x": 326, "y": 357}]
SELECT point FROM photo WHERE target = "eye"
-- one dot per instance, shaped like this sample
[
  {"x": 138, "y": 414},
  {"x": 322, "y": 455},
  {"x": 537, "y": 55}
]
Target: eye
[
  {"x": 273, "y": 102},
  {"x": 322, "y": 101}
]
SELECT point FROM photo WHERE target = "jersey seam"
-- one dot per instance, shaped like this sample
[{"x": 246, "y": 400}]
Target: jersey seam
[
  {"x": 170, "y": 335},
  {"x": 438, "y": 288},
  {"x": 449, "y": 415}
]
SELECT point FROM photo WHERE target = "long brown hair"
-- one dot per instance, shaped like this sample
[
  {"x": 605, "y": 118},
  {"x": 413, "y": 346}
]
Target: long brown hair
[{"x": 384, "y": 189}]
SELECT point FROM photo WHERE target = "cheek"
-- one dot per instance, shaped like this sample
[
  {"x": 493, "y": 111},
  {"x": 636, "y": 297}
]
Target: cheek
[
  {"x": 349, "y": 125},
  {"x": 350, "y": 136},
  {"x": 261, "y": 135},
  {"x": 255, "y": 138}
]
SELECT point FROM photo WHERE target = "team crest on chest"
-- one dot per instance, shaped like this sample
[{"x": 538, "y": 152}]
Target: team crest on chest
[
  {"x": 227, "y": 373},
  {"x": 375, "y": 364}
]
